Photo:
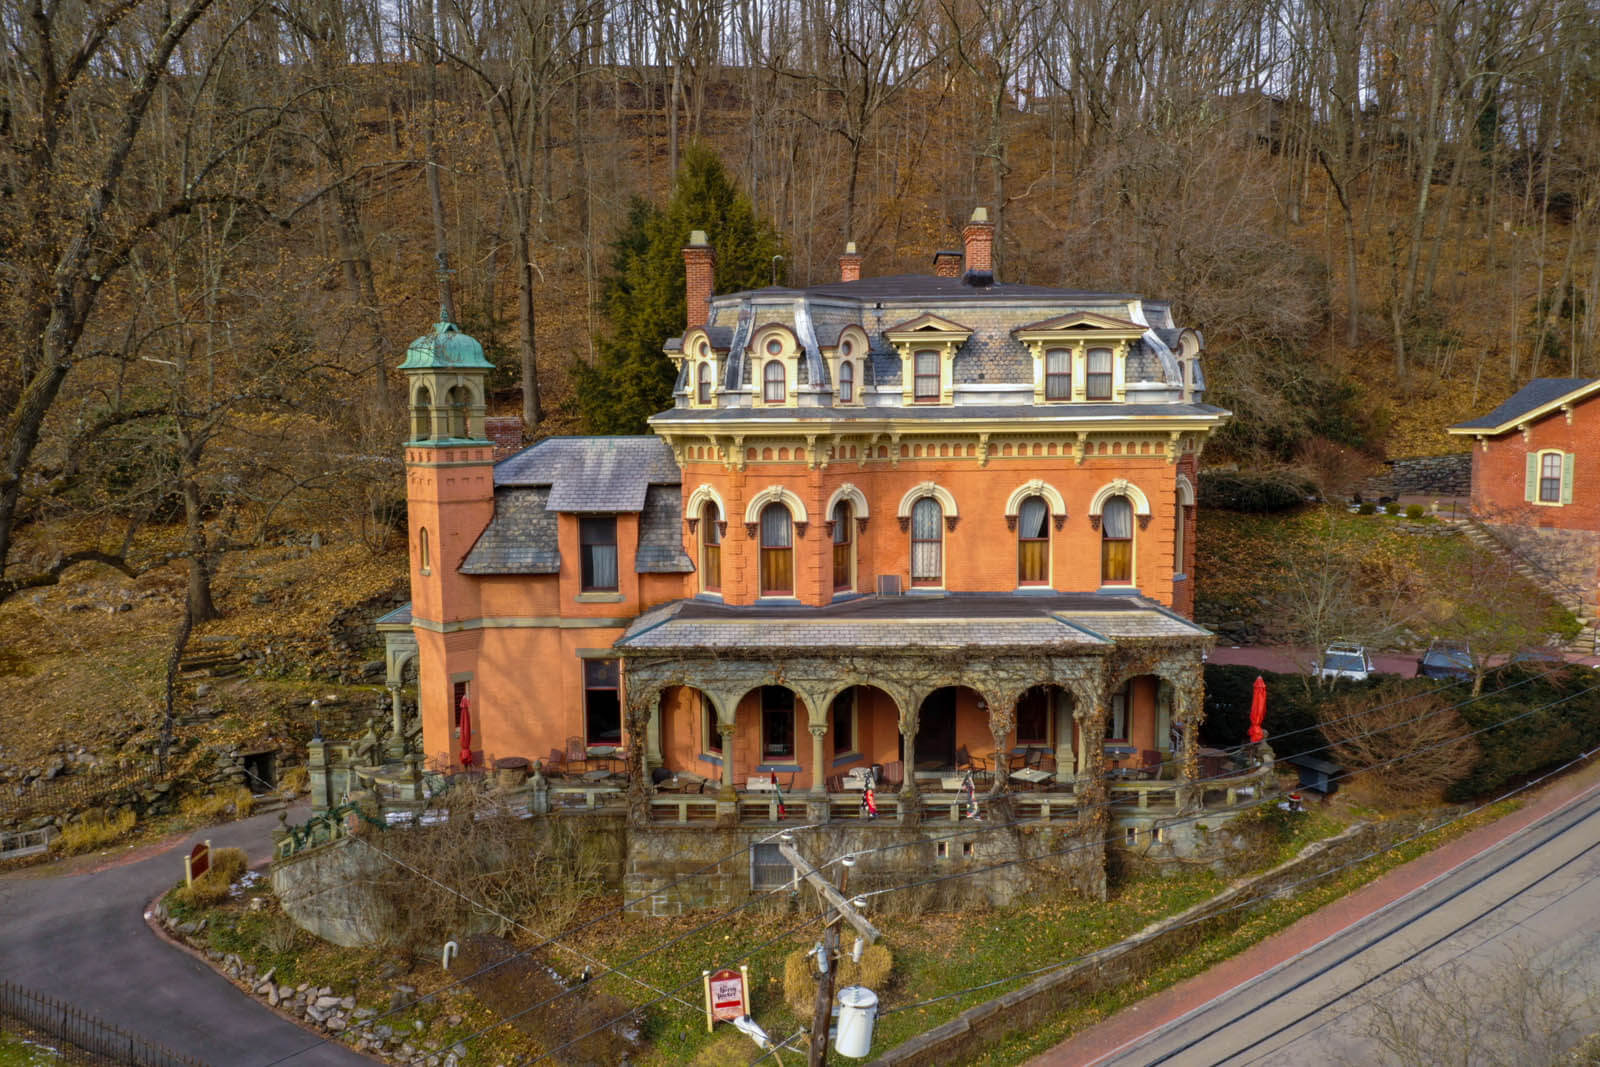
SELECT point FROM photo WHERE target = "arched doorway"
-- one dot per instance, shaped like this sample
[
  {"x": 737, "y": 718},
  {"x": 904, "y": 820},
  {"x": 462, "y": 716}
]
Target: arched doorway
[
  {"x": 863, "y": 731},
  {"x": 687, "y": 739},
  {"x": 1045, "y": 733},
  {"x": 952, "y": 717}
]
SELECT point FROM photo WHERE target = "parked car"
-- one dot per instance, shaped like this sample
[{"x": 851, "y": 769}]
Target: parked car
[
  {"x": 1450, "y": 660},
  {"x": 1343, "y": 660},
  {"x": 1536, "y": 657}
]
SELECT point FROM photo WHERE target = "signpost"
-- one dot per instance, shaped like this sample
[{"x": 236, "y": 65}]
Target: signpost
[
  {"x": 197, "y": 862},
  {"x": 727, "y": 995}
]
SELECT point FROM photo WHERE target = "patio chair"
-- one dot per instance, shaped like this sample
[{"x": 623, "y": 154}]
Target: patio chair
[
  {"x": 834, "y": 783},
  {"x": 577, "y": 755},
  {"x": 966, "y": 761},
  {"x": 555, "y": 764},
  {"x": 1150, "y": 763},
  {"x": 894, "y": 775}
]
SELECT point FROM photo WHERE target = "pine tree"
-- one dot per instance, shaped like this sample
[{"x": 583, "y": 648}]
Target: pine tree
[{"x": 644, "y": 297}]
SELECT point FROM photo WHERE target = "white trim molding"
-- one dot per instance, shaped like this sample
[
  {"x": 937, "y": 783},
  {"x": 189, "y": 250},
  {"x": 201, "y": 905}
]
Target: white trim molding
[
  {"x": 1120, "y": 487},
  {"x": 847, "y": 491},
  {"x": 775, "y": 494},
  {"x": 1037, "y": 487},
  {"x": 697, "y": 500},
  {"x": 947, "y": 503},
  {"x": 1185, "y": 491}
]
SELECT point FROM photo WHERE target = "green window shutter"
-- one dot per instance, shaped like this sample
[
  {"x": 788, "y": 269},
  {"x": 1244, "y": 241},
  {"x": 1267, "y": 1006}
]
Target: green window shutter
[
  {"x": 1566, "y": 477},
  {"x": 1531, "y": 485}
]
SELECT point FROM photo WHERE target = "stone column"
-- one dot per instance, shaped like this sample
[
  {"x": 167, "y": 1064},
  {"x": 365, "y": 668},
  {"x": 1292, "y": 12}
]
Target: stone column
[
  {"x": 652, "y": 737},
  {"x": 910, "y": 801},
  {"x": 817, "y": 807},
  {"x": 1188, "y": 697},
  {"x": 397, "y": 740},
  {"x": 1002, "y": 721}
]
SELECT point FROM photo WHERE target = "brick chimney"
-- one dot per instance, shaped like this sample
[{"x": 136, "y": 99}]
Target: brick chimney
[
  {"x": 946, "y": 264},
  {"x": 978, "y": 239},
  {"x": 850, "y": 264},
  {"x": 699, "y": 268}
]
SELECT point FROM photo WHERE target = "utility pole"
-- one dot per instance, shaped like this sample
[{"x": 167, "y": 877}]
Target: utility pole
[{"x": 839, "y": 909}]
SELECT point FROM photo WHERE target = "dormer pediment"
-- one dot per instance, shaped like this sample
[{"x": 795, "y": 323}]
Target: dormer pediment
[
  {"x": 1084, "y": 324},
  {"x": 928, "y": 327}
]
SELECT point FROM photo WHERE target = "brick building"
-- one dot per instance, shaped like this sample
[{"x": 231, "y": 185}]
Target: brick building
[
  {"x": 1536, "y": 482},
  {"x": 913, "y": 523}
]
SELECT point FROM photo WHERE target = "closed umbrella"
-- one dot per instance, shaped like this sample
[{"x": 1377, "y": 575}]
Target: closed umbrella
[
  {"x": 466, "y": 732},
  {"x": 1258, "y": 711}
]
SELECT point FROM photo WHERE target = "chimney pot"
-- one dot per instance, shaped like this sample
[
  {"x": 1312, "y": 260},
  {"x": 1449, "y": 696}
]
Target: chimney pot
[
  {"x": 978, "y": 239},
  {"x": 699, "y": 277},
  {"x": 850, "y": 263}
]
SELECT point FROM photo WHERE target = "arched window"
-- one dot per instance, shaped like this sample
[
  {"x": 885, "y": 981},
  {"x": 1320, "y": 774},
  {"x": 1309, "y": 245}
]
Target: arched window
[
  {"x": 847, "y": 382},
  {"x": 925, "y": 377},
  {"x": 1116, "y": 542},
  {"x": 457, "y": 399},
  {"x": 1033, "y": 542},
  {"x": 424, "y": 557},
  {"x": 1058, "y": 374},
  {"x": 1177, "y": 533},
  {"x": 927, "y": 542},
  {"x": 422, "y": 415},
  {"x": 844, "y": 543},
  {"x": 773, "y": 377},
  {"x": 1097, "y": 384},
  {"x": 777, "y": 551},
  {"x": 703, "y": 386},
  {"x": 710, "y": 549}
]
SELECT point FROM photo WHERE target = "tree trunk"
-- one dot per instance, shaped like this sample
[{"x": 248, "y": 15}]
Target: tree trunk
[
  {"x": 525, "y": 323},
  {"x": 200, "y": 605}
]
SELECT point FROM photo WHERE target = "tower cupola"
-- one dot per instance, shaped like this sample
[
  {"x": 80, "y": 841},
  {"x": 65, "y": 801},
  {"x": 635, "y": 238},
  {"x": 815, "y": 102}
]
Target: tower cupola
[{"x": 446, "y": 375}]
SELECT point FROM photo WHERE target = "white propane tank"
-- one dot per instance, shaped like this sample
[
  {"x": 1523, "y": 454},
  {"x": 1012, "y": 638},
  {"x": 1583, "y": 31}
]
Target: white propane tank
[{"x": 858, "y": 1013}]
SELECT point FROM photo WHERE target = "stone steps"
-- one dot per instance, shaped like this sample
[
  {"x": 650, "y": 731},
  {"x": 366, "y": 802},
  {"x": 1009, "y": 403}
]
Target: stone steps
[{"x": 1587, "y": 641}]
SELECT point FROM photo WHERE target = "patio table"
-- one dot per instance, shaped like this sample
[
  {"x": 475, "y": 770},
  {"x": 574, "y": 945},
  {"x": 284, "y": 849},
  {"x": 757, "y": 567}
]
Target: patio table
[{"x": 1031, "y": 777}]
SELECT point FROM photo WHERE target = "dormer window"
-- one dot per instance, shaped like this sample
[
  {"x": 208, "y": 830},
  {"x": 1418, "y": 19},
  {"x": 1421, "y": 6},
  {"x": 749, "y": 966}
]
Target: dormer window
[
  {"x": 847, "y": 381},
  {"x": 926, "y": 387},
  {"x": 1058, "y": 374},
  {"x": 773, "y": 378},
  {"x": 1097, "y": 385},
  {"x": 703, "y": 384}
]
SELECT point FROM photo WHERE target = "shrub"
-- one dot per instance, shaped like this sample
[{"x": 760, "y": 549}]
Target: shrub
[
  {"x": 1367, "y": 508},
  {"x": 1415, "y": 511},
  {"x": 1516, "y": 745},
  {"x": 1291, "y": 723},
  {"x": 800, "y": 976},
  {"x": 1254, "y": 491},
  {"x": 1394, "y": 507},
  {"x": 95, "y": 830},
  {"x": 1418, "y": 743},
  {"x": 211, "y": 888},
  {"x": 295, "y": 780}
]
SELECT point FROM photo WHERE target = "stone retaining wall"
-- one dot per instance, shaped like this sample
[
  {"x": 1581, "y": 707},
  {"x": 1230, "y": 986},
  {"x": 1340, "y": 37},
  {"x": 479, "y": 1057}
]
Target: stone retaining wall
[
  {"x": 1443, "y": 476},
  {"x": 981, "y": 1027}
]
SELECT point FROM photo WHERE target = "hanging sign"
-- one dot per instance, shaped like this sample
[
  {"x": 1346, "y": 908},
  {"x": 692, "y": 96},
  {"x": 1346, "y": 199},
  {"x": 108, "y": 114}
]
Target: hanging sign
[{"x": 727, "y": 995}]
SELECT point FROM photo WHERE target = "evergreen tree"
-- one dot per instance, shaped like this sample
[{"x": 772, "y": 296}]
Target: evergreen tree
[{"x": 644, "y": 296}]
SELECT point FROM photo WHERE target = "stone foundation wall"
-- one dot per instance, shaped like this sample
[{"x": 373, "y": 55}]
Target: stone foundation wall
[
  {"x": 1570, "y": 557},
  {"x": 673, "y": 870},
  {"x": 1449, "y": 475}
]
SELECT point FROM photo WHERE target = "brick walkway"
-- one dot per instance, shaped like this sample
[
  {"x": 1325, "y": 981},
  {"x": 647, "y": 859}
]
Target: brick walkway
[{"x": 1157, "y": 1011}]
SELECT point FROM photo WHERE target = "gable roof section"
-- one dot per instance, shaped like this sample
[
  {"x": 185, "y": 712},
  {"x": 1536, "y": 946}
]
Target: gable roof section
[
  {"x": 591, "y": 474},
  {"x": 926, "y": 323},
  {"x": 1538, "y": 398},
  {"x": 1082, "y": 320},
  {"x": 520, "y": 539}
]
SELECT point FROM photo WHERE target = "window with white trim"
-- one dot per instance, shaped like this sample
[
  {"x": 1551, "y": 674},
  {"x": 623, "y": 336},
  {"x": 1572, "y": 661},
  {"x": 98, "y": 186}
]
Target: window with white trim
[
  {"x": 1550, "y": 477},
  {"x": 777, "y": 551},
  {"x": 1116, "y": 541},
  {"x": 1058, "y": 374},
  {"x": 710, "y": 549},
  {"x": 703, "y": 387},
  {"x": 1097, "y": 380},
  {"x": 925, "y": 378},
  {"x": 1033, "y": 542},
  {"x": 774, "y": 382},
  {"x": 927, "y": 542},
  {"x": 1550, "y": 474},
  {"x": 847, "y": 382},
  {"x": 844, "y": 539}
]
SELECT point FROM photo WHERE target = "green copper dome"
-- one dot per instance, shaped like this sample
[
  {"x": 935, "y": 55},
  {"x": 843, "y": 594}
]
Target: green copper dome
[{"x": 445, "y": 347}]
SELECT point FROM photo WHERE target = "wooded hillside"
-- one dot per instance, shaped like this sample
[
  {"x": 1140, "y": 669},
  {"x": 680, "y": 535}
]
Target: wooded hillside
[{"x": 221, "y": 221}]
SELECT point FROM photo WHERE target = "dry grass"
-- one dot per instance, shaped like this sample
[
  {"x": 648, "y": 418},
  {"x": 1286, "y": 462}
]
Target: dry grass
[
  {"x": 295, "y": 780},
  {"x": 95, "y": 831},
  {"x": 800, "y": 977},
  {"x": 211, "y": 888},
  {"x": 233, "y": 803}
]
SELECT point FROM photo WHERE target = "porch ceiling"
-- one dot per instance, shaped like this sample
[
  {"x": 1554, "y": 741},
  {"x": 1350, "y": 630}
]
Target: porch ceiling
[{"x": 1063, "y": 621}]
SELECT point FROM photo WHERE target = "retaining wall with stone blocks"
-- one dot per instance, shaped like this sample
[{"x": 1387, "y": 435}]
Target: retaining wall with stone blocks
[
  {"x": 673, "y": 870},
  {"x": 980, "y": 1028}
]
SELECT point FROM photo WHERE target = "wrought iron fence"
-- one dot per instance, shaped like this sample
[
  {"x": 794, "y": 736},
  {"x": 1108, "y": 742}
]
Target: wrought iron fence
[
  {"x": 73, "y": 792},
  {"x": 106, "y": 1043}
]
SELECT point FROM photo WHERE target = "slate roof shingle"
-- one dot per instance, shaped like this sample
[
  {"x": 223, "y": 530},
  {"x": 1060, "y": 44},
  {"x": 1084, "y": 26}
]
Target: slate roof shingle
[
  {"x": 592, "y": 474},
  {"x": 1536, "y": 394},
  {"x": 520, "y": 539},
  {"x": 661, "y": 533}
]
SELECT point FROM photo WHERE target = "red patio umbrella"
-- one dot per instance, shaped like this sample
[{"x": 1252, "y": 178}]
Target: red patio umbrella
[
  {"x": 1258, "y": 711},
  {"x": 466, "y": 732}
]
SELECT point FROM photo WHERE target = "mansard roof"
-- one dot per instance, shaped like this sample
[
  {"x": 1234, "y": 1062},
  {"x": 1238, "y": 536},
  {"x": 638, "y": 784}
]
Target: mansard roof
[{"x": 591, "y": 474}]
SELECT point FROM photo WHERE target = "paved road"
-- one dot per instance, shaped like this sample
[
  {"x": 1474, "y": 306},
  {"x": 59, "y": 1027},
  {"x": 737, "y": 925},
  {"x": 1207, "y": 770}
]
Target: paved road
[
  {"x": 1437, "y": 969},
  {"x": 82, "y": 937}
]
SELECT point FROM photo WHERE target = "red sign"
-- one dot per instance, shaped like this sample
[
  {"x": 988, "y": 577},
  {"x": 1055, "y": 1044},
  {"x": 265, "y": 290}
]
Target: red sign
[
  {"x": 727, "y": 996},
  {"x": 197, "y": 862}
]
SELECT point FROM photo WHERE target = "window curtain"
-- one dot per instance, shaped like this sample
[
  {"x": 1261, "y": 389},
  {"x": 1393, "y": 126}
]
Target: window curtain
[
  {"x": 1116, "y": 544},
  {"x": 1099, "y": 374},
  {"x": 847, "y": 382},
  {"x": 1033, "y": 543},
  {"x": 1058, "y": 374},
  {"x": 604, "y": 560},
  {"x": 926, "y": 541},
  {"x": 777, "y": 561}
]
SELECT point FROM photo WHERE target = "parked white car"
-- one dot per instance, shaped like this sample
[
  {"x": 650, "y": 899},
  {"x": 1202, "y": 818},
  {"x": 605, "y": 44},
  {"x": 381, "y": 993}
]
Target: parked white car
[{"x": 1342, "y": 660}]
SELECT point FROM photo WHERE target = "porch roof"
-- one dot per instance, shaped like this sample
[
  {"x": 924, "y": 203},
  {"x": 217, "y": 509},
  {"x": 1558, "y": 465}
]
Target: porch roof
[{"x": 1060, "y": 621}]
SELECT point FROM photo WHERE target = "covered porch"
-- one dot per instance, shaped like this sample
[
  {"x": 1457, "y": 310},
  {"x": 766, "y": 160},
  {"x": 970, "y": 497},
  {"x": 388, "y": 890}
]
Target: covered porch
[{"x": 1068, "y": 707}]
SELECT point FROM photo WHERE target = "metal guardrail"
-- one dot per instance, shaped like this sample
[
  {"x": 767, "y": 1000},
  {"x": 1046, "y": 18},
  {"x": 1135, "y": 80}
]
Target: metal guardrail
[
  {"x": 16, "y": 844},
  {"x": 104, "y": 1042}
]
